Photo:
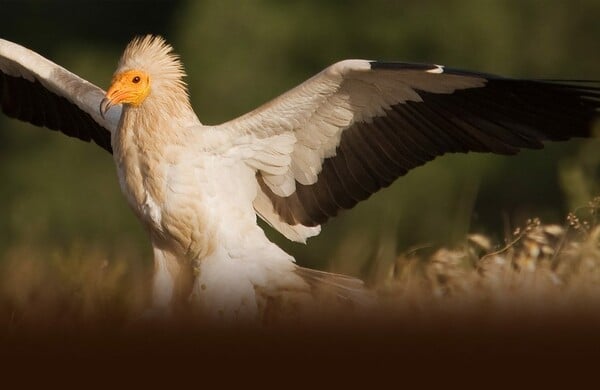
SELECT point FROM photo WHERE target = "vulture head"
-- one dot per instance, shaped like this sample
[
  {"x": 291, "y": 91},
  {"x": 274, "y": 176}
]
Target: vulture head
[{"x": 148, "y": 69}]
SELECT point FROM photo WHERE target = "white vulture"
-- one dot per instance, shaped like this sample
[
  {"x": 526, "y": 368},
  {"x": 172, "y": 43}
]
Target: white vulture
[{"x": 321, "y": 147}]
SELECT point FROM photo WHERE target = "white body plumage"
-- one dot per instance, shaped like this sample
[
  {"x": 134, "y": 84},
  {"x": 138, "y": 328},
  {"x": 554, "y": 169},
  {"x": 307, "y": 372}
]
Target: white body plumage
[{"x": 195, "y": 198}]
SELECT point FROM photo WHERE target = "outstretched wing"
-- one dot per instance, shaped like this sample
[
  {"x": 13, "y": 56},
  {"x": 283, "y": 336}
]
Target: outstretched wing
[
  {"x": 358, "y": 125},
  {"x": 36, "y": 90}
]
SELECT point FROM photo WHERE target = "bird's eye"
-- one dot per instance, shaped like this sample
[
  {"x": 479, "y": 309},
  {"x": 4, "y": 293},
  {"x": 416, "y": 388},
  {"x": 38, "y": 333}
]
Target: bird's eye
[{"x": 136, "y": 79}]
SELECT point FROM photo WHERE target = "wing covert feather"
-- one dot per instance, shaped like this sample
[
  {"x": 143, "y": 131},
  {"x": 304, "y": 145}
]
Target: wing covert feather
[
  {"x": 358, "y": 125},
  {"x": 38, "y": 91}
]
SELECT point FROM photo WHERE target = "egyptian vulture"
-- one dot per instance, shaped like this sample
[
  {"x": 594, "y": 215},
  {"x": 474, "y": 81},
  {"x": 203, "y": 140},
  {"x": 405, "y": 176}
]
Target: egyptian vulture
[{"x": 296, "y": 161}]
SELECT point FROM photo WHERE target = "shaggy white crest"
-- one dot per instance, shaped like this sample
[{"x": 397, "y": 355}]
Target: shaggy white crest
[{"x": 153, "y": 55}]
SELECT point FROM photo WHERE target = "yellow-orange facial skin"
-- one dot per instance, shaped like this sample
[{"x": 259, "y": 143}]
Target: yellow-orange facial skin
[{"x": 130, "y": 87}]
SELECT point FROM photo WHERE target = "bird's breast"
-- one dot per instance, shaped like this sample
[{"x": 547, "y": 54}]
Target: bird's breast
[
  {"x": 188, "y": 194},
  {"x": 141, "y": 174},
  {"x": 140, "y": 183}
]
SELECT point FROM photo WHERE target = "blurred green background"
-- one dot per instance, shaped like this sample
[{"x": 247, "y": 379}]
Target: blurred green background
[{"x": 58, "y": 192}]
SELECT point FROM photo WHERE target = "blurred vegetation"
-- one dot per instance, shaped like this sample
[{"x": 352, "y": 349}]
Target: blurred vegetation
[{"x": 58, "y": 193}]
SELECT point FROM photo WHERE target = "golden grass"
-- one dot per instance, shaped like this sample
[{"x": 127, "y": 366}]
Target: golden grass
[
  {"x": 50, "y": 287},
  {"x": 540, "y": 270}
]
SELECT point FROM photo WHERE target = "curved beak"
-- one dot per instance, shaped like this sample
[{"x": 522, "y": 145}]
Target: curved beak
[
  {"x": 115, "y": 94},
  {"x": 105, "y": 105}
]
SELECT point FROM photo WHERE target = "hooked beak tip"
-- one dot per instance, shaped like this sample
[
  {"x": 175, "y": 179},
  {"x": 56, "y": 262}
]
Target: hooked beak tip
[{"x": 105, "y": 105}]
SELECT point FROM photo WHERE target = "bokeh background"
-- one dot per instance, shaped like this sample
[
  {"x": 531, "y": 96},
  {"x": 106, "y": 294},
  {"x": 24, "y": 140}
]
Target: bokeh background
[{"x": 59, "y": 197}]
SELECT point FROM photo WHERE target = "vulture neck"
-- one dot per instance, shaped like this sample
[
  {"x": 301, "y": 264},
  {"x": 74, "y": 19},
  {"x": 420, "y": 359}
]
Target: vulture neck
[
  {"x": 159, "y": 121},
  {"x": 167, "y": 104},
  {"x": 163, "y": 110}
]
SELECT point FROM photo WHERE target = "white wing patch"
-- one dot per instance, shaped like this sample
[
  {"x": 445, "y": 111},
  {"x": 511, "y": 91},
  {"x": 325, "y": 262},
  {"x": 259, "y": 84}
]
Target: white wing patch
[
  {"x": 13, "y": 55},
  {"x": 273, "y": 157},
  {"x": 437, "y": 70},
  {"x": 299, "y": 233}
]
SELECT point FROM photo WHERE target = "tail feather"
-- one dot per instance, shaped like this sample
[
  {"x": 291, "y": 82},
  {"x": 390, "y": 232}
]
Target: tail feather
[
  {"x": 300, "y": 295},
  {"x": 345, "y": 289}
]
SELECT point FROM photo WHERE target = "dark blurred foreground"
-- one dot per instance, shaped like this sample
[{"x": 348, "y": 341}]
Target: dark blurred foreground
[{"x": 525, "y": 348}]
